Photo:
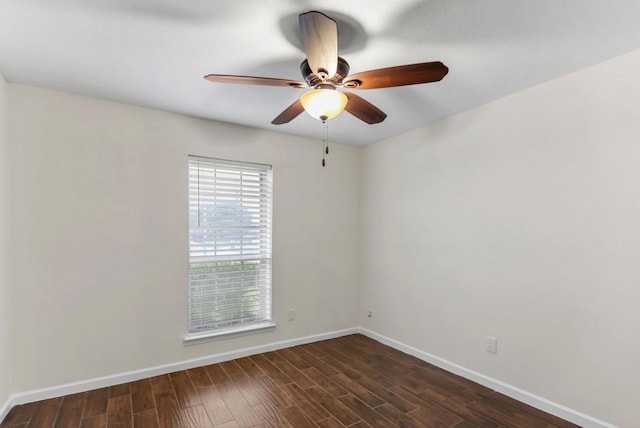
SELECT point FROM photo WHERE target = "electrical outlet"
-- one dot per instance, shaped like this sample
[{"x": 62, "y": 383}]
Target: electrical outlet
[
  {"x": 492, "y": 345},
  {"x": 292, "y": 314}
]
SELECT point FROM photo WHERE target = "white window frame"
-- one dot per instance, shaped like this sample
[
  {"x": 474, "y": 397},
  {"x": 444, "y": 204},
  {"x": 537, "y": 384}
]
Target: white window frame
[{"x": 230, "y": 260}]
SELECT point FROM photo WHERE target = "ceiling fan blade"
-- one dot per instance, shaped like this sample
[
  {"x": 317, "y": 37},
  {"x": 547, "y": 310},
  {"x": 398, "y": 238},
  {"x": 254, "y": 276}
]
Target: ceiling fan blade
[
  {"x": 251, "y": 80},
  {"x": 289, "y": 113},
  {"x": 401, "y": 75},
  {"x": 320, "y": 39},
  {"x": 363, "y": 109}
]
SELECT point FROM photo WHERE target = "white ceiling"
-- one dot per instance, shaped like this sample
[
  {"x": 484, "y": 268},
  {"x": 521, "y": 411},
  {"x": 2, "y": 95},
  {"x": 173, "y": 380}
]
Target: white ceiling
[{"x": 154, "y": 53}]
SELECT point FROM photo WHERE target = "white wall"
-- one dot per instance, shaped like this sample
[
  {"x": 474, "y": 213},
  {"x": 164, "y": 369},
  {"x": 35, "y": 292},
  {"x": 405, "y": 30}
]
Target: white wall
[
  {"x": 520, "y": 220},
  {"x": 100, "y": 248},
  {"x": 5, "y": 291}
]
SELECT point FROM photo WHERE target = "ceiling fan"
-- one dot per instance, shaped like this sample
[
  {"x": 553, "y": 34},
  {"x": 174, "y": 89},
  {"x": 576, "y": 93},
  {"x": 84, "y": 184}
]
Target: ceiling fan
[{"x": 325, "y": 72}]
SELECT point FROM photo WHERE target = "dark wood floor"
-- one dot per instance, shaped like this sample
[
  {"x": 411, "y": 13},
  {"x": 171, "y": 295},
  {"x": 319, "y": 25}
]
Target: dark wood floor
[{"x": 351, "y": 381}]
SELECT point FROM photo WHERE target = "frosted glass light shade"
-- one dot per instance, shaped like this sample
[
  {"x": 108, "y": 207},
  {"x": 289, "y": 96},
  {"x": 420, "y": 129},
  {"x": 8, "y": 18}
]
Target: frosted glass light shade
[{"x": 323, "y": 104}]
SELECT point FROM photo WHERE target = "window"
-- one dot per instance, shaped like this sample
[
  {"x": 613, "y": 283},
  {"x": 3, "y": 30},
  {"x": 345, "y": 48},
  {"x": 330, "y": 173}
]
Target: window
[{"x": 229, "y": 247}]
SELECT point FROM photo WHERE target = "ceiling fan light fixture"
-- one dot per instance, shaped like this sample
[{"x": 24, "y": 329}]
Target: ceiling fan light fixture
[{"x": 323, "y": 104}]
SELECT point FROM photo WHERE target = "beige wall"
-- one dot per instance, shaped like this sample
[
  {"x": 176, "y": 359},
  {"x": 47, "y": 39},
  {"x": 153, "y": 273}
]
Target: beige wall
[
  {"x": 5, "y": 290},
  {"x": 520, "y": 220},
  {"x": 100, "y": 248}
]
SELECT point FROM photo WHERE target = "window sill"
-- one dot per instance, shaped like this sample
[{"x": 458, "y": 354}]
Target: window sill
[{"x": 210, "y": 336}]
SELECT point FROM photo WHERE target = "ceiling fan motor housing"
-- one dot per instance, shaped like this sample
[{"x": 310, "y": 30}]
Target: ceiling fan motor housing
[{"x": 314, "y": 79}]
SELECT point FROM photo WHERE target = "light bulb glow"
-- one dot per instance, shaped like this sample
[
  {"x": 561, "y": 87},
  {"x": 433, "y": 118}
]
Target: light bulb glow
[{"x": 323, "y": 104}]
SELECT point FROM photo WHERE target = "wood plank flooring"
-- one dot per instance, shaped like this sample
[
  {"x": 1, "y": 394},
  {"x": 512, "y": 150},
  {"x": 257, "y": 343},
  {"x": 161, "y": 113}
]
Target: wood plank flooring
[{"x": 352, "y": 381}]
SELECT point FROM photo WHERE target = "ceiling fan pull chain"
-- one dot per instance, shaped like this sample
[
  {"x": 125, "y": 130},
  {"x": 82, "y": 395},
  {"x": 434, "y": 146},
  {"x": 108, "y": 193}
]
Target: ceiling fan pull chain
[
  {"x": 326, "y": 131},
  {"x": 325, "y": 138}
]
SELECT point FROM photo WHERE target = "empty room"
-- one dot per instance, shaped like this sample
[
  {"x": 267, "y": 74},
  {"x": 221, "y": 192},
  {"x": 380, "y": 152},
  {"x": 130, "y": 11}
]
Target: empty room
[{"x": 324, "y": 214}]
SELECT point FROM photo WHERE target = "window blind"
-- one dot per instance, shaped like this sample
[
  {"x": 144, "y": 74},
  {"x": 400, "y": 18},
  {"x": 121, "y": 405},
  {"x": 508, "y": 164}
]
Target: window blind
[{"x": 230, "y": 205}]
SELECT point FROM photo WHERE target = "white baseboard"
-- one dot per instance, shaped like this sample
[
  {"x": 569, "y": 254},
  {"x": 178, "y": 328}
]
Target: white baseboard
[
  {"x": 4, "y": 409},
  {"x": 101, "y": 382},
  {"x": 543, "y": 404},
  {"x": 509, "y": 390}
]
